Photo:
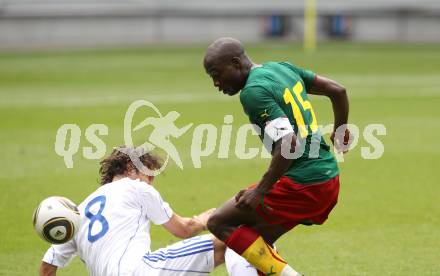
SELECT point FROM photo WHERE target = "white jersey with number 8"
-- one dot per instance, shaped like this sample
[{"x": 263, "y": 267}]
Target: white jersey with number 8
[{"x": 114, "y": 232}]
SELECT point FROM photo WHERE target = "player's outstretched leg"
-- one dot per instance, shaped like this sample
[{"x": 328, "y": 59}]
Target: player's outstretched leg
[
  {"x": 235, "y": 228},
  {"x": 196, "y": 256}
]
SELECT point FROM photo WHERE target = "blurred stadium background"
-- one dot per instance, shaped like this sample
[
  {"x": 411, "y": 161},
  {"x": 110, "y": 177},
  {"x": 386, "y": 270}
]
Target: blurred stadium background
[
  {"x": 85, "y": 61},
  {"x": 52, "y": 23}
]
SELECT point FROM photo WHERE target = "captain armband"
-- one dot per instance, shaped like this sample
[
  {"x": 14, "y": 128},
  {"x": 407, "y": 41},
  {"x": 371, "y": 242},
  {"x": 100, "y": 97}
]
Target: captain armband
[{"x": 278, "y": 128}]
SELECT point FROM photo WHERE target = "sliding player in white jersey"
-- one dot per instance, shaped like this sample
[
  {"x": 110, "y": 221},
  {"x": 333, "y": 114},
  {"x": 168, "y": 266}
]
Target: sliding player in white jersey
[{"x": 114, "y": 236}]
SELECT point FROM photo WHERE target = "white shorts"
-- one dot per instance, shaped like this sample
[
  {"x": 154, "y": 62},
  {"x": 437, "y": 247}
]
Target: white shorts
[{"x": 193, "y": 256}]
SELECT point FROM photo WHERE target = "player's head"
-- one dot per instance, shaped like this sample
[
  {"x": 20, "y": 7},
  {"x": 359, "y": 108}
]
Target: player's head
[
  {"x": 227, "y": 64},
  {"x": 118, "y": 164}
]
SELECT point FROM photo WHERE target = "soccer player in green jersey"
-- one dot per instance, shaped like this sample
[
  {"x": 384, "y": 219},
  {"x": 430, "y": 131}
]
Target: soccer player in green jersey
[{"x": 301, "y": 185}]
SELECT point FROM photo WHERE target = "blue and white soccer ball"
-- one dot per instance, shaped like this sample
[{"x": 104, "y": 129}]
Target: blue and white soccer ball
[{"x": 56, "y": 219}]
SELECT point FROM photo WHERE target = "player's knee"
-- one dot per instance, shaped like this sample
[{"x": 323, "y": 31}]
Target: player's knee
[
  {"x": 222, "y": 222},
  {"x": 219, "y": 227},
  {"x": 215, "y": 225}
]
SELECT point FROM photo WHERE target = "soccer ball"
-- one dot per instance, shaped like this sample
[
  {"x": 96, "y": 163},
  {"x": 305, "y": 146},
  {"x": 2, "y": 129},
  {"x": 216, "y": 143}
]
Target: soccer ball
[{"x": 56, "y": 219}]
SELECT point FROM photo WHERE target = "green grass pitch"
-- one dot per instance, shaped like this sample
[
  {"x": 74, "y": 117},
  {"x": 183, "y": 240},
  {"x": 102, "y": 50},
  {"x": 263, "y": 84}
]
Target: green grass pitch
[{"x": 387, "y": 221}]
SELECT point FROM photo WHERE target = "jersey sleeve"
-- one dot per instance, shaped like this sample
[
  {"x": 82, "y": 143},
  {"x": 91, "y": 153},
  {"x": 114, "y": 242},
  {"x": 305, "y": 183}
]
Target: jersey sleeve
[
  {"x": 60, "y": 255},
  {"x": 263, "y": 110},
  {"x": 307, "y": 76},
  {"x": 158, "y": 211},
  {"x": 260, "y": 105}
]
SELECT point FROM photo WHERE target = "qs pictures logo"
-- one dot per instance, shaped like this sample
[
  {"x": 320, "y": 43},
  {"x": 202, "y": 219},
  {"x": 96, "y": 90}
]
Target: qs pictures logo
[{"x": 159, "y": 132}]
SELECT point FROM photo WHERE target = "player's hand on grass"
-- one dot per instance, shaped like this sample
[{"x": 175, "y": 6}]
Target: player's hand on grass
[
  {"x": 342, "y": 140},
  {"x": 248, "y": 199}
]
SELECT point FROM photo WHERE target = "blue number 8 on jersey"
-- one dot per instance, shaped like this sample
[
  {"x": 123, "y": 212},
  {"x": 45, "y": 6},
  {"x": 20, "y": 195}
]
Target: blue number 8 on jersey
[{"x": 96, "y": 217}]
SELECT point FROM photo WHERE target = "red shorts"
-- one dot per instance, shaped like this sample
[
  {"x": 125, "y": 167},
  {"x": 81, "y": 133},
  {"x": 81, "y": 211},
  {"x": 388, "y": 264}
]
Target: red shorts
[{"x": 290, "y": 204}]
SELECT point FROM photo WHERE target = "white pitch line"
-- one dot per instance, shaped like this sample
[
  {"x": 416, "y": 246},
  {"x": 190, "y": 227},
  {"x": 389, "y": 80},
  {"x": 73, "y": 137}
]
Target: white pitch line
[
  {"x": 358, "y": 86},
  {"x": 86, "y": 101}
]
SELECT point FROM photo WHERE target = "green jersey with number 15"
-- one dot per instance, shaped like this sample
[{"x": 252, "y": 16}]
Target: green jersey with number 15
[{"x": 279, "y": 89}]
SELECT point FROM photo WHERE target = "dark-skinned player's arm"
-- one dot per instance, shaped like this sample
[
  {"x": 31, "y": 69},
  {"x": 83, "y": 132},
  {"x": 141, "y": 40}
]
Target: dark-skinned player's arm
[
  {"x": 249, "y": 199},
  {"x": 338, "y": 96}
]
